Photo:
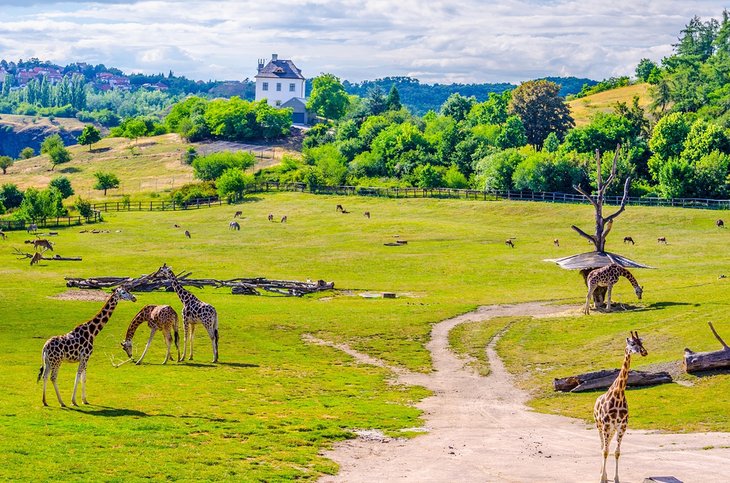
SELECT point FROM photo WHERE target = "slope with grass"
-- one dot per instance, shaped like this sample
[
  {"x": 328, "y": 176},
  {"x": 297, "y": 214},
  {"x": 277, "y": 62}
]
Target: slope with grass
[
  {"x": 275, "y": 401},
  {"x": 584, "y": 108}
]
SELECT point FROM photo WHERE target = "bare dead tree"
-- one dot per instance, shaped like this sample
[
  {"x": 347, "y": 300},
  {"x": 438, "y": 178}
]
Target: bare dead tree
[{"x": 603, "y": 223}]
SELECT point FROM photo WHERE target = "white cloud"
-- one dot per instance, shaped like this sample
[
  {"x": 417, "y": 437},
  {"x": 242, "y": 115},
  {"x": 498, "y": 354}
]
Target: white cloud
[{"x": 439, "y": 41}]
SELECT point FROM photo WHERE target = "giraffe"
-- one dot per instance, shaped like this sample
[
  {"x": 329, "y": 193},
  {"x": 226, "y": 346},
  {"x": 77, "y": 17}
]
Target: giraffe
[
  {"x": 611, "y": 411},
  {"x": 607, "y": 277},
  {"x": 77, "y": 346},
  {"x": 162, "y": 317},
  {"x": 194, "y": 311}
]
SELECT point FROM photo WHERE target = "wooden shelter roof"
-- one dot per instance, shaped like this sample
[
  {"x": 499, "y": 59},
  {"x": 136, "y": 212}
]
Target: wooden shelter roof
[{"x": 594, "y": 260}]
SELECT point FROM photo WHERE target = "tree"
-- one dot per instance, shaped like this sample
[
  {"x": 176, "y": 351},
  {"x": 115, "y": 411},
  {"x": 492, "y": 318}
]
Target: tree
[
  {"x": 393, "y": 101},
  {"x": 63, "y": 185},
  {"x": 667, "y": 139},
  {"x": 84, "y": 207},
  {"x": 328, "y": 97},
  {"x": 541, "y": 109},
  {"x": 105, "y": 181},
  {"x": 11, "y": 196},
  {"x": 457, "y": 106},
  {"x": 5, "y": 163},
  {"x": 89, "y": 136},
  {"x": 513, "y": 134},
  {"x": 233, "y": 181},
  {"x": 644, "y": 69},
  {"x": 212, "y": 166},
  {"x": 57, "y": 152},
  {"x": 135, "y": 128},
  {"x": 27, "y": 153},
  {"x": 551, "y": 144}
]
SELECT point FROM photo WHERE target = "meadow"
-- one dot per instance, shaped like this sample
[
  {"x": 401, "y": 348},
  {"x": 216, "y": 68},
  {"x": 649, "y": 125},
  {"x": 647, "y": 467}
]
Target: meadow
[{"x": 274, "y": 401}]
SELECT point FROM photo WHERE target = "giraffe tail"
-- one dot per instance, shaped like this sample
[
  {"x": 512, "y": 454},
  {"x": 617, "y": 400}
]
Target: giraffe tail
[{"x": 43, "y": 366}]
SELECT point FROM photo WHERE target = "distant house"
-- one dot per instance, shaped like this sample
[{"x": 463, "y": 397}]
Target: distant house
[
  {"x": 298, "y": 105},
  {"x": 113, "y": 81},
  {"x": 278, "y": 81}
]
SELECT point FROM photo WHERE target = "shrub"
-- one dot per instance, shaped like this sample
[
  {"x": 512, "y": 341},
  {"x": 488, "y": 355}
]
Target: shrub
[
  {"x": 63, "y": 185},
  {"x": 212, "y": 166},
  {"x": 83, "y": 207},
  {"x": 11, "y": 196},
  {"x": 192, "y": 191},
  {"x": 27, "y": 153},
  {"x": 233, "y": 182}
]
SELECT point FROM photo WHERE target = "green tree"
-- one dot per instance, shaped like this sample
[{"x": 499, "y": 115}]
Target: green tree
[
  {"x": 453, "y": 178},
  {"x": 331, "y": 164},
  {"x": 105, "y": 181},
  {"x": 135, "y": 128},
  {"x": 495, "y": 171},
  {"x": 551, "y": 144},
  {"x": 212, "y": 166},
  {"x": 27, "y": 153},
  {"x": 428, "y": 176},
  {"x": 63, "y": 185},
  {"x": 702, "y": 139},
  {"x": 233, "y": 181},
  {"x": 53, "y": 146},
  {"x": 84, "y": 207},
  {"x": 11, "y": 196},
  {"x": 667, "y": 139},
  {"x": 541, "y": 109},
  {"x": 513, "y": 134},
  {"x": 89, "y": 136},
  {"x": 328, "y": 97},
  {"x": 458, "y": 106},
  {"x": 644, "y": 69},
  {"x": 5, "y": 163},
  {"x": 393, "y": 102}
]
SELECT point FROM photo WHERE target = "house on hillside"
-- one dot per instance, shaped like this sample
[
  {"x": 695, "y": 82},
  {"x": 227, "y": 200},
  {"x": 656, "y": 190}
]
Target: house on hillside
[
  {"x": 279, "y": 81},
  {"x": 298, "y": 105}
]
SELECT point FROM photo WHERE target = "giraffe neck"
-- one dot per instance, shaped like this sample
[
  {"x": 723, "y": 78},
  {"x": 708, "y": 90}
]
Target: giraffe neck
[
  {"x": 139, "y": 319},
  {"x": 619, "y": 385},
  {"x": 185, "y": 296},
  {"x": 95, "y": 325},
  {"x": 629, "y": 277}
]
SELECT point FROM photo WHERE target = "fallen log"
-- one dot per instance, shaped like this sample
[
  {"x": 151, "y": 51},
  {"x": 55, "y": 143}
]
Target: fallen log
[
  {"x": 36, "y": 257},
  {"x": 706, "y": 361},
  {"x": 603, "y": 379}
]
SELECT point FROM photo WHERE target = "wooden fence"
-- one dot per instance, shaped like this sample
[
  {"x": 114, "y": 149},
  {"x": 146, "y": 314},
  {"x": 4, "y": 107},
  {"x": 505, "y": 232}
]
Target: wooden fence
[
  {"x": 159, "y": 205},
  {"x": 59, "y": 221}
]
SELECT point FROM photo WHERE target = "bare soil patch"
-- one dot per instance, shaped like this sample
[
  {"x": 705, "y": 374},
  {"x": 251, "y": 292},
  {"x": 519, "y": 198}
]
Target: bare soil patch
[{"x": 83, "y": 295}]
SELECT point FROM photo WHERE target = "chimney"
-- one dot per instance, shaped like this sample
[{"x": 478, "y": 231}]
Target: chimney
[
  {"x": 274, "y": 57},
  {"x": 261, "y": 64}
]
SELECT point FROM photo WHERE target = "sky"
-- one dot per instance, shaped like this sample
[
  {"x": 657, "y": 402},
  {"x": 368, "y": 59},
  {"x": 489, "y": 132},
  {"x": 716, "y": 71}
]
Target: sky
[{"x": 467, "y": 41}]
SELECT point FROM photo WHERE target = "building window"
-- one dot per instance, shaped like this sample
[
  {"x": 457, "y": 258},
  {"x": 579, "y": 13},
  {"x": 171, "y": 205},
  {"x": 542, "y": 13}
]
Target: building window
[
  {"x": 265, "y": 86},
  {"x": 278, "y": 87},
  {"x": 278, "y": 103},
  {"x": 291, "y": 87}
]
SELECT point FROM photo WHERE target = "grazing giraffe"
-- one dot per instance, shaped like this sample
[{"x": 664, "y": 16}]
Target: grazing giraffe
[
  {"x": 611, "y": 411},
  {"x": 158, "y": 317},
  {"x": 367, "y": 215},
  {"x": 509, "y": 243},
  {"x": 194, "y": 311},
  {"x": 187, "y": 234},
  {"x": 556, "y": 242},
  {"x": 238, "y": 214},
  {"x": 234, "y": 226},
  {"x": 77, "y": 346},
  {"x": 607, "y": 277},
  {"x": 662, "y": 239},
  {"x": 628, "y": 239}
]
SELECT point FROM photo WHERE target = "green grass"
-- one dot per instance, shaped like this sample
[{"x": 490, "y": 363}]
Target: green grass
[
  {"x": 584, "y": 108},
  {"x": 274, "y": 402},
  {"x": 470, "y": 340}
]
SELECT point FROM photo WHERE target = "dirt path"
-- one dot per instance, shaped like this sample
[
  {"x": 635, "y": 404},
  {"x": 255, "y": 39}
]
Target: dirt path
[{"x": 479, "y": 430}]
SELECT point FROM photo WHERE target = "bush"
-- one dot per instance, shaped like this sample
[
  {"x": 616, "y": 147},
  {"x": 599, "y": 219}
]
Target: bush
[
  {"x": 191, "y": 191},
  {"x": 63, "y": 185},
  {"x": 11, "y": 196},
  {"x": 190, "y": 155},
  {"x": 212, "y": 166},
  {"x": 27, "y": 153},
  {"x": 233, "y": 182},
  {"x": 453, "y": 178},
  {"x": 84, "y": 207}
]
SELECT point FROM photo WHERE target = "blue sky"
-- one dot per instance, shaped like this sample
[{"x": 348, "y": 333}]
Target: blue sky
[{"x": 435, "y": 41}]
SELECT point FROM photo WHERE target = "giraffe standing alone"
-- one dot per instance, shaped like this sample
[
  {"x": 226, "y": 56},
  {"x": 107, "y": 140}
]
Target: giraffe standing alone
[
  {"x": 158, "y": 317},
  {"x": 607, "y": 277},
  {"x": 194, "y": 311},
  {"x": 611, "y": 411},
  {"x": 77, "y": 346}
]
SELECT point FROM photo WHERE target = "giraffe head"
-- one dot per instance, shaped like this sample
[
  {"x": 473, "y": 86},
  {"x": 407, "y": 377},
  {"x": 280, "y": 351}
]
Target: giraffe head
[
  {"x": 127, "y": 346},
  {"x": 165, "y": 272},
  {"x": 634, "y": 344},
  {"x": 122, "y": 294},
  {"x": 639, "y": 290}
]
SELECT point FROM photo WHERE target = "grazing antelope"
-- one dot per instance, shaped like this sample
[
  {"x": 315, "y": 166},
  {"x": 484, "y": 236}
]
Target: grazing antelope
[
  {"x": 367, "y": 214},
  {"x": 32, "y": 228},
  {"x": 509, "y": 243},
  {"x": 283, "y": 219},
  {"x": 720, "y": 224},
  {"x": 187, "y": 234},
  {"x": 339, "y": 208},
  {"x": 662, "y": 239},
  {"x": 234, "y": 226},
  {"x": 556, "y": 242},
  {"x": 271, "y": 217},
  {"x": 238, "y": 214},
  {"x": 628, "y": 239},
  {"x": 176, "y": 225},
  {"x": 3, "y": 235},
  {"x": 40, "y": 243}
]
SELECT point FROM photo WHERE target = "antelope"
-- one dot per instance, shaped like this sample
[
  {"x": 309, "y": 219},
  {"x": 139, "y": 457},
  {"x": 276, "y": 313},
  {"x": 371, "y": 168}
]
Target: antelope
[
  {"x": 187, "y": 234},
  {"x": 628, "y": 239},
  {"x": 509, "y": 243},
  {"x": 556, "y": 242},
  {"x": 234, "y": 226},
  {"x": 367, "y": 214},
  {"x": 339, "y": 208},
  {"x": 238, "y": 214},
  {"x": 720, "y": 224},
  {"x": 283, "y": 219},
  {"x": 32, "y": 228},
  {"x": 662, "y": 239},
  {"x": 3, "y": 235},
  {"x": 40, "y": 243},
  {"x": 271, "y": 217}
]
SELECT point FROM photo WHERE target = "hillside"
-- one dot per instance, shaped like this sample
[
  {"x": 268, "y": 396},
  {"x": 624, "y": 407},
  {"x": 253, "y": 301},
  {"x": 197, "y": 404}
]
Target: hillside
[
  {"x": 584, "y": 108},
  {"x": 150, "y": 165},
  {"x": 18, "y": 132}
]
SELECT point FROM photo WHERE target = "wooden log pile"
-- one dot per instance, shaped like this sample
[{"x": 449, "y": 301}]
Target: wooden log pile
[
  {"x": 239, "y": 286},
  {"x": 705, "y": 361},
  {"x": 603, "y": 379}
]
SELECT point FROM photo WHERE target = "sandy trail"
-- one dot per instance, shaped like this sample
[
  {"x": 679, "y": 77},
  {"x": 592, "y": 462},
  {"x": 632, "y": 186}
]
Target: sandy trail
[{"x": 479, "y": 430}]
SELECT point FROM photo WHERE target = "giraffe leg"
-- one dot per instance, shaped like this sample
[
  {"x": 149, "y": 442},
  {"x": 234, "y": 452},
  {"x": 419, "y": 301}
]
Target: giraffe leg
[
  {"x": 608, "y": 298},
  {"x": 186, "y": 326},
  {"x": 617, "y": 453},
  {"x": 168, "y": 340},
  {"x": 213, "y": 334},
  {"x": 149, "y": 341},
  {"x": 83, "y": 387},
  {"x": 587, "y": 308},
  {"x": 76, "y": 383},
  {"x": 605, "y": 443},
  {"x": 45, "y": 373},
  {"x": 192, "y": 336},
  {"x": 54, "y": 376}
]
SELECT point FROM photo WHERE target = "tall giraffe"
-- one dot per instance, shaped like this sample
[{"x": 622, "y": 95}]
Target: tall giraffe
[
  {"x": 77, "y": 346},
  {"x": 607, "y": 277},
  {"x": 611, "y": 411},
  {"x": 194, "y": 311},
  {"x": 162, "y": 317}
]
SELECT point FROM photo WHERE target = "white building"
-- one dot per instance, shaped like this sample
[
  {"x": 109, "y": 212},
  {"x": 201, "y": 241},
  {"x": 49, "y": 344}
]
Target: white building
[{"x": 279, "y": 81}]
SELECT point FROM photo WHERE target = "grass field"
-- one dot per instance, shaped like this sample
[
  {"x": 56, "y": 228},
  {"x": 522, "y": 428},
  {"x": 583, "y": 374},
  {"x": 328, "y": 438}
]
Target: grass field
[
  {"x": 274, "y": 401},
  {"x": 584, "y": 108}
]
